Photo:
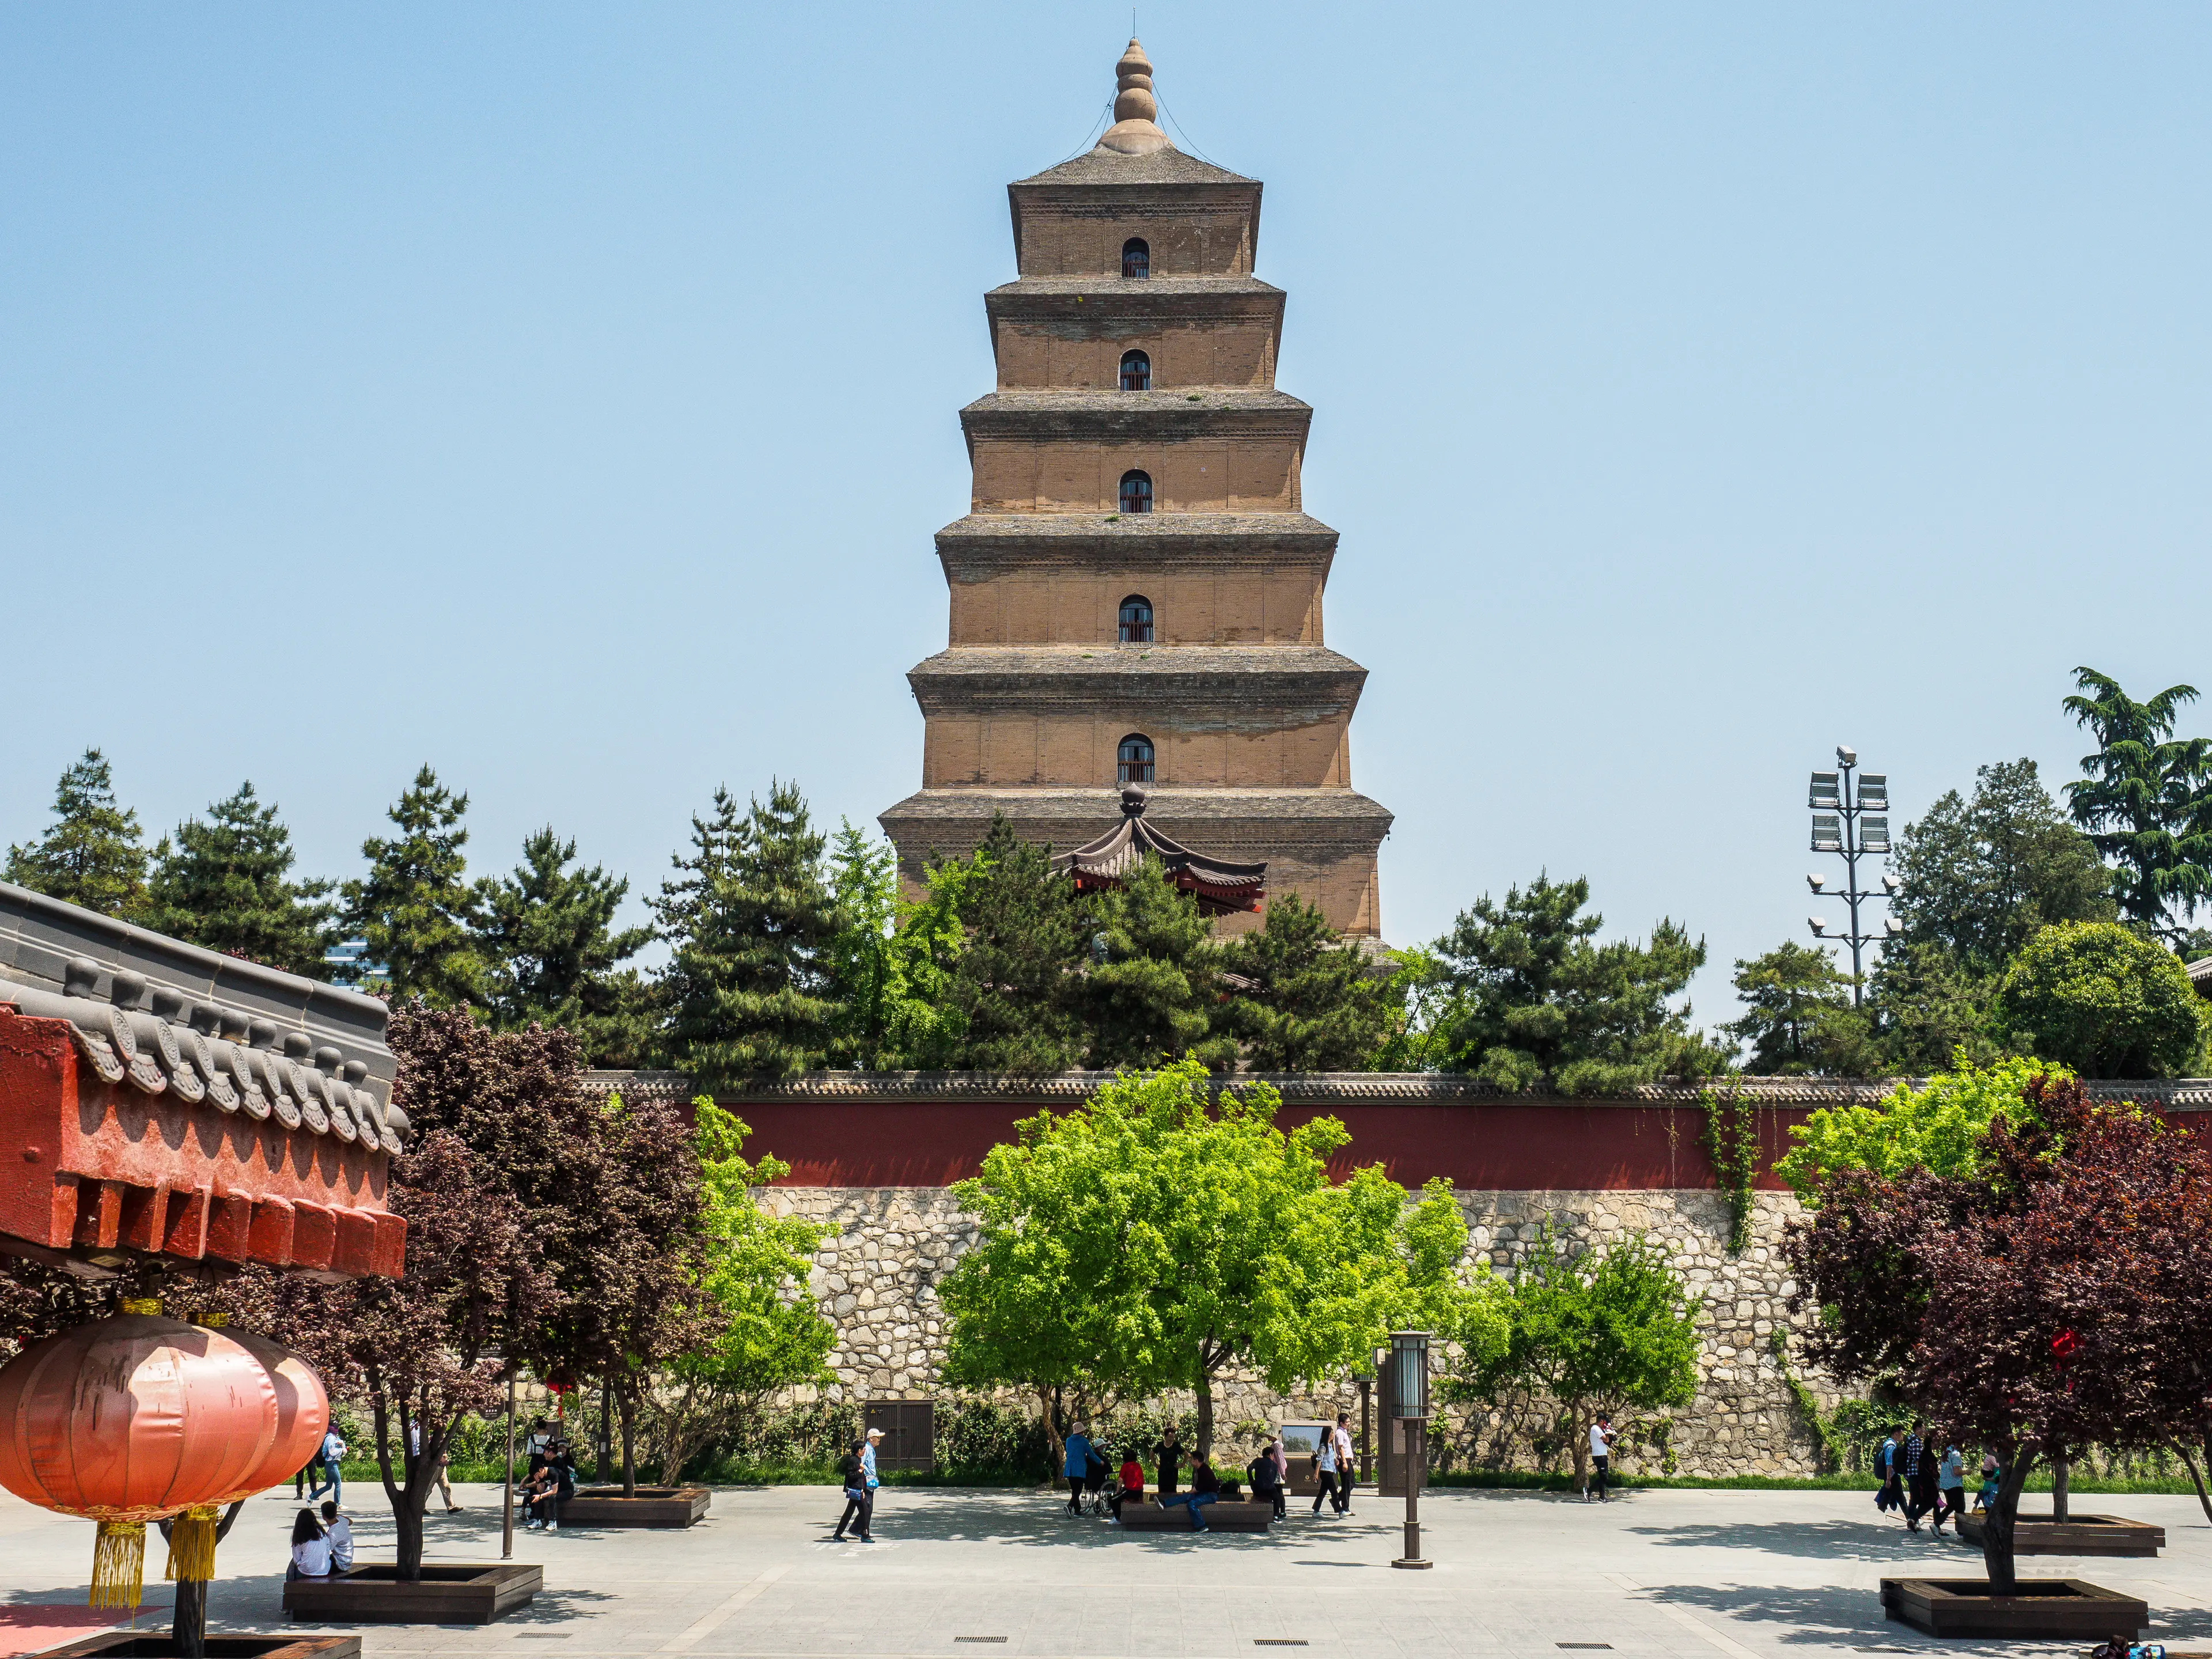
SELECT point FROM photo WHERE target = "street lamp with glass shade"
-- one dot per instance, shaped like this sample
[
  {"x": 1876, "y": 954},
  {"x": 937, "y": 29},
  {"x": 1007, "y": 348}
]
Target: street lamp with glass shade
[{"x": 1409, "y": 1403}]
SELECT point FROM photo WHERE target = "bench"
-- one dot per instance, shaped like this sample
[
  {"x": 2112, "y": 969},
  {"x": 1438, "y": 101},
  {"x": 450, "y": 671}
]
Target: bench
[{"x": 1224, "y": 1516}]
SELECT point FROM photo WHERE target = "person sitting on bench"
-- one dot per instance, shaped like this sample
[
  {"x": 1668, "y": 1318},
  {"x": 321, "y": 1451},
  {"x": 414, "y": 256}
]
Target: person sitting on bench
[
  {"x": 1132, "y": 1486},
  {"x": 1266, "y": 1475},
  {"x": 1205, "y": 1488}
]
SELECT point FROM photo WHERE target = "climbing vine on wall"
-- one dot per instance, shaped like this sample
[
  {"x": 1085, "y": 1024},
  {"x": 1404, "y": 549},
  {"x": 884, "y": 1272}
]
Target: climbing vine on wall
[{"x": 1732, "y": 1140}]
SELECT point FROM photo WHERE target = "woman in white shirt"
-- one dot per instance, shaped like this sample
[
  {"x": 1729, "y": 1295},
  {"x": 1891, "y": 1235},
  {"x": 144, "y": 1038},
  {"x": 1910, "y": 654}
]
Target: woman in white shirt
[{"x": 311, "y": 1550}]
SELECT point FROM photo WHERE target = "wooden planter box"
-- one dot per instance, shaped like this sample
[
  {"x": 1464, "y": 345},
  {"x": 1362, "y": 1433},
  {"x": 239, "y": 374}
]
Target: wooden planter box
[
  {"x": 143, "y": 1644},
  {"x": 2047, "y": 1609},
  {"x": 654, "y": 1506},
  {"x": 1219, "y": 1518},
  {"x": 2078, "y": 1534},
  {"x": 469, "y": 1594}
]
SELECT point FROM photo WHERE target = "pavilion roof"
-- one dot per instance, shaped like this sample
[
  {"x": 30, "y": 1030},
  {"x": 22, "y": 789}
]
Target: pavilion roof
[{"x": 1220, "y": 884}]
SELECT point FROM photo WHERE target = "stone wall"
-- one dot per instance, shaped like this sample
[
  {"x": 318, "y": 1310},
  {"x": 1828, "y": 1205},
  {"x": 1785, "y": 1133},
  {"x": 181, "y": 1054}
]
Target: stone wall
[{"x": 877, "y": 1277}]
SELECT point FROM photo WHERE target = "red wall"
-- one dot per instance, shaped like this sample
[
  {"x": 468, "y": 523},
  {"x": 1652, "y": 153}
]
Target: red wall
[{"x": 1500, "y": 1147}]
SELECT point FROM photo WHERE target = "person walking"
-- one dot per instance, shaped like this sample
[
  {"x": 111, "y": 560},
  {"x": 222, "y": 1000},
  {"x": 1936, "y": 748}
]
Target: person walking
[
  {"x": 1950, "y": 1487},
  {"x": 1325, "y": 1473},
  {"x": 414, "y": 1451},
  {"x": 1886, "y": 1496},
  {"x": 1076, "y": 1465},
  {"x": 334, "y": 1451},
  {"x": 852, "y": 1474},
  {"x": 1919, "y": 1477},
  {"x": 1347, "y": 1466},
  {"x": 869, "y": 1483},
  {"x": 1601, "y": 1458},
  {"x": 1168, "y": 1455},
  {"x": 338, "y": 1530},
  {"x": 310, "y": 1550}
]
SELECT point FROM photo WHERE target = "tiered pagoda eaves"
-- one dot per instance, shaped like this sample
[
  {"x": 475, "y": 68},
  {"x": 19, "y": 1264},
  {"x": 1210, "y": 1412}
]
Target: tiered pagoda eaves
[{"x": 1136, "y": 590}]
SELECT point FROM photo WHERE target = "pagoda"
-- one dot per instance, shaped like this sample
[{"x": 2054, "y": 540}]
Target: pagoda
[{"x": 1136, "y": 590}]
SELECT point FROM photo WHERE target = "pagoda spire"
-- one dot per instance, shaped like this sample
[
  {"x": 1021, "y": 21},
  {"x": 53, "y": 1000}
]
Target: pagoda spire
[{"x": 1134, "y": 132}]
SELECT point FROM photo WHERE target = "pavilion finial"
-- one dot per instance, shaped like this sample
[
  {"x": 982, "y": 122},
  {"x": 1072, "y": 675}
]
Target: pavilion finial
[{"x": 1134, "y": 132}]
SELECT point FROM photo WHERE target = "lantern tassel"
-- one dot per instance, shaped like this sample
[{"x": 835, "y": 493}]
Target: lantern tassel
[
  {"x": 119, "y": 1564},
  {"x": 191, "y": 1544}
]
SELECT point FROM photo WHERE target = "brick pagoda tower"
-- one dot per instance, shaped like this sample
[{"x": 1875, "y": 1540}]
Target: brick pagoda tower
[{"x": 1136, "y": 592}]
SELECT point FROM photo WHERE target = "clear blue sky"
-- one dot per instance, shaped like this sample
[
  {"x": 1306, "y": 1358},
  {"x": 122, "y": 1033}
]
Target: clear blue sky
[{"x": 565, "y": 396}]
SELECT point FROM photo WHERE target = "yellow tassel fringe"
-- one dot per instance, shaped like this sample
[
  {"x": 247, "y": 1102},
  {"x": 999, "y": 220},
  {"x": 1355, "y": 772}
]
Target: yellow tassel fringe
[
  {"x": 119, "y": 1564},
  {"x": 191, "y": 1544}
]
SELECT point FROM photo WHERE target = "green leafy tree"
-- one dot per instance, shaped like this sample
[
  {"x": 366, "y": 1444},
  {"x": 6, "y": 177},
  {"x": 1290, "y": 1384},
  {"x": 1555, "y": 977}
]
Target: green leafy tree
[
  {"x": 891, "y": 962},
  {"x": 766, "y": 1331},
  {"x": 1534, "y": 1000},
  {"x": 1157, "y": 1238},
  {"x": 1927, "y": 1009},
  {"x": 1023, "y": 938},
  {"x": 1155, "y": 976},
  {"x": 415, "y": 908},
  {"x": 1310, "y": 1002},
  {"x": 92, "y": 853},
  {"x": 1612, "y": 1331},
  {"x": 2104, "y": 1000},
  {"x": 549, "y": 933},
  {"x": 1940, "y": 1128},
  {"x": 1980, "y": 876},
  {"x": 751, "y": 920},
  {"x": 226, "y": 883},
  {"x": 2145, "y": 799},
  {"x": 1798, "y": 1016}
]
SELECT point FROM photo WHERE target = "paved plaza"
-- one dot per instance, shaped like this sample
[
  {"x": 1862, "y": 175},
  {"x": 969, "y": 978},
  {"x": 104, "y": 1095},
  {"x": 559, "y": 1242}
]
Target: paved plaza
[{"x": 1693, "y": 1574}]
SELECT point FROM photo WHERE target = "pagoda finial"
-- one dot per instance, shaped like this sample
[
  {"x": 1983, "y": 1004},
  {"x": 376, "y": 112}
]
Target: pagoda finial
[{"x": 1134, "y": 108}]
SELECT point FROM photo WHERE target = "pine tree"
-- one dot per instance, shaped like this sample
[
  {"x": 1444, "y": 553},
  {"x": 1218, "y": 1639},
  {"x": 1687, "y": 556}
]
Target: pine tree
[
  {"x": 91, "y": 854},
  {"x": 1023, "y": 939},
  {"x": 751, "y": 920},
  {"x": 415, "y": 908},
  {"x": 226, "y": 883},
  {"x": 1314, "y": 1003},
  {"x": 555, "y": 956},
  {"x": 1155, "y": 978},
  {"x": 2145, "y": 801},
  {"x": 1798, "y": 1016}
]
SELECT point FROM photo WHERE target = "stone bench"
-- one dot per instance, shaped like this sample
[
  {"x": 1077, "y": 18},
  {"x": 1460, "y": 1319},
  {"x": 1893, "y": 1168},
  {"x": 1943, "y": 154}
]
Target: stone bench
[{"x": 1224, "y": 1516}]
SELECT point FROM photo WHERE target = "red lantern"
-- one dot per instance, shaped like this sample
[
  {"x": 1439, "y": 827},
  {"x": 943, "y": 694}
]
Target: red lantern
[{"x": 137, "y": 1418}]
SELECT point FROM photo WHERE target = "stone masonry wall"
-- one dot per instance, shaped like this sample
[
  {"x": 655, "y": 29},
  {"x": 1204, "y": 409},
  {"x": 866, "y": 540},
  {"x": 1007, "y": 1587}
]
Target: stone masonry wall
[{"x": 877, "y": 1277}]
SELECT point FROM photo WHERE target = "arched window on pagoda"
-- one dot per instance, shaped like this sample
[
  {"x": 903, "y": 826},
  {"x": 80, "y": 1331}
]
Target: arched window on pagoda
[
  {"x": 1136, "y": 492},
  {"x": 1136, "y": 620},
  {"x": 1133, "y": 763},
  {"x": 1136, "y": 372},
  {"x": 1136, "y": 258}
]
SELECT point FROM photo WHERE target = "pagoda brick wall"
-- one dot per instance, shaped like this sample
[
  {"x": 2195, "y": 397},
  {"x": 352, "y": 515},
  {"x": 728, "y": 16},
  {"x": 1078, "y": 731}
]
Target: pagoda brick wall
[{"x": 1246, "y": 710}]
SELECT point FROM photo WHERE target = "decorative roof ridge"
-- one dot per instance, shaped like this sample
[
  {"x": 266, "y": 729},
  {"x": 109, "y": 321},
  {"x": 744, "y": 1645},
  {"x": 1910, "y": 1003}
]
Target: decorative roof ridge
[{"x": 2184, "y": 1094}]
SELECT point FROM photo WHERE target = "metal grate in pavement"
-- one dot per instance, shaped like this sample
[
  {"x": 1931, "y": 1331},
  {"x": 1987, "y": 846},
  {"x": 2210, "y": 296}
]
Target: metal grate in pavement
[
  {"x": 1279, "y": 1641},
  {"x": 979, "y": 1639},
  {"x": 1603, "y": 1647}
]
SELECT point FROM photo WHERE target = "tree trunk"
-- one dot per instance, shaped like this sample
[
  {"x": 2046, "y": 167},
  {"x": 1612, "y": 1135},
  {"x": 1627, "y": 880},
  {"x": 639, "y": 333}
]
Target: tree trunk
[
  {"x": 1998, "y": 1526},
  {"x": 188, "y": 1630},
  {"x": 604, "y": 1451},
  {"x": 1049, "y": 1408},
  {"x": 2061, "y": 1469},
  {"x": 630, "y": 1442},
  {"x": 1578, "y": 1427},
  {"x": 2196, "y": 1478},
  {"x": 1202, "y": 1445}
]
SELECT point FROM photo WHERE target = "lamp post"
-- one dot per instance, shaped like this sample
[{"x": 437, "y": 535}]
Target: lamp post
[
  {"x": 506, "y": 1508},
  {"x": 1409, "y": 1403},
  {"x": 1850, "y": 818},
  {"x": 1365, "y": 1378}
]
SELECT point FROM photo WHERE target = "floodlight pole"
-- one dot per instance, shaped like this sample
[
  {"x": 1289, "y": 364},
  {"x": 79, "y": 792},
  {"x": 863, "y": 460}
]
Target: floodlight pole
[{"x": 1839, "y": 799}]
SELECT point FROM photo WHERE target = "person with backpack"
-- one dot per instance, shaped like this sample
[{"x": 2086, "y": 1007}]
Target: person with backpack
[
  {"x": 1886, "y": 1496},
  {"x": 1266, "y": 1474}
]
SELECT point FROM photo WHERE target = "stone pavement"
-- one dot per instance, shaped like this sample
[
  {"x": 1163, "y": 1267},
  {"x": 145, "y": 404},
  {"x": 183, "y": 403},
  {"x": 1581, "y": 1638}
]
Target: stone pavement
[{"x": 1654, "y": 1574}]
